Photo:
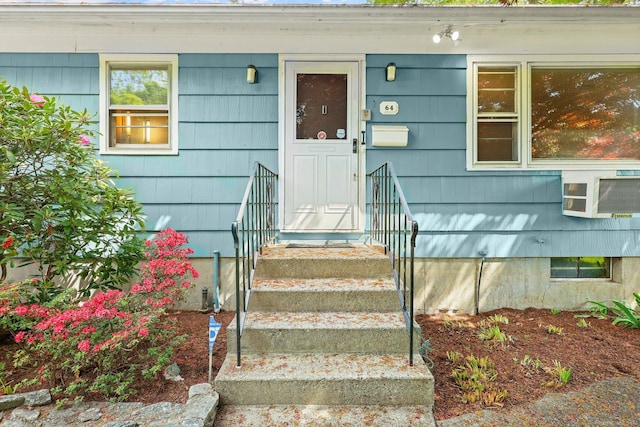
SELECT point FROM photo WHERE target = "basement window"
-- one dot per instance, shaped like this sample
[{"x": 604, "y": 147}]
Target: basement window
[{"x": 581, "y": 268}]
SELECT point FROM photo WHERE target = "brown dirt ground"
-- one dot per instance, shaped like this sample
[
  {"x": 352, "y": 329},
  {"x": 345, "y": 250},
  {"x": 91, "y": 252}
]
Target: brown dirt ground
[{"x": 595, "y": 352}]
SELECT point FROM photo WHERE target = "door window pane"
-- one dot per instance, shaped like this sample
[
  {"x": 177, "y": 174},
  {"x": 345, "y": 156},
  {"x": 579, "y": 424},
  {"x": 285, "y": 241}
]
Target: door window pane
[
  {"x": 585, "y": 113},
  {"x": 321, "y": 106}
]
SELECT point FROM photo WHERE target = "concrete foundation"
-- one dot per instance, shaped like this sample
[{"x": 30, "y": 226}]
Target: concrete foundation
[{"x": 449, "y": 284}]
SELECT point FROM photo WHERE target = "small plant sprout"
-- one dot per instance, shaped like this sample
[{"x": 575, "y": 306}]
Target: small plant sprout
[
  {"x": 554, "y": 330},
  {"x": 598, "y": 310},
  {"x": 555, "y": 311},
  {"x": 498, "y": 318},
  {"x": 494, "y": 334},
  {"x": 451, "y": 324},
  {"x": 561, "y": 375},
  {"x": 474, "y": 376},
  {"x": 529, "y": 365},
  {"x": 582, "y": 323},
  {"x": 455, "y": 356}
]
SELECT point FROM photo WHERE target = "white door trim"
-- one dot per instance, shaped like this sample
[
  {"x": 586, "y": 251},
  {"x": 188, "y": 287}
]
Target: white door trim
[{"x": 282, "y": 99}]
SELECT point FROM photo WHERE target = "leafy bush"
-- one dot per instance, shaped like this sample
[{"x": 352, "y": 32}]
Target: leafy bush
[
  {"x": 108, "y": 342},
  {"x": 59, "y": 207}
]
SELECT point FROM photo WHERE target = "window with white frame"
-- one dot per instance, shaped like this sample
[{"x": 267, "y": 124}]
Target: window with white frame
[
  {"x": 533, "y": 113},
  {"x": 138, "y": 104}
]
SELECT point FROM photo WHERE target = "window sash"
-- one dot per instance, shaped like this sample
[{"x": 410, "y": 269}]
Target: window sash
[{"x": 139, "y": 127}]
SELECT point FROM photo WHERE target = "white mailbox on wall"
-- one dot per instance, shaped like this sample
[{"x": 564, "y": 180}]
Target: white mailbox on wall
[{"x": 389, "y": 136}]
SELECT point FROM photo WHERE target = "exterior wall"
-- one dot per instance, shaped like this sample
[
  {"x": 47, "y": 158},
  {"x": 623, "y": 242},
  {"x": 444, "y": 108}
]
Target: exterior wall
[
  {"x": 226, "y": 125},
  {"x": 463, "y": 213},
  {"x": 449, "y": 285}
]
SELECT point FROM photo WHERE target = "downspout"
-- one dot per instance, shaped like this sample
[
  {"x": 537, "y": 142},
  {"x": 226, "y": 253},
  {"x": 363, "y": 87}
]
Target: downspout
[
  {"x": 216, "y": 281},
  {"x": 483, "y": 254}
]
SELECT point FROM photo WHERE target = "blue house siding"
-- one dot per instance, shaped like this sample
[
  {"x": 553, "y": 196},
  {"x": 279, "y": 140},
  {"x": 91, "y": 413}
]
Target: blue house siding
[
  {"x": 460, "y": 212},
  {"x": 225, "y": 125},
  {"x": 73, "y": 78}
]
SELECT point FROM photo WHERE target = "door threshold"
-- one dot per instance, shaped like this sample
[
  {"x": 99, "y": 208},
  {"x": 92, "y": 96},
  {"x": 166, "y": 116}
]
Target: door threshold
[{"x": 320, "y": 238}]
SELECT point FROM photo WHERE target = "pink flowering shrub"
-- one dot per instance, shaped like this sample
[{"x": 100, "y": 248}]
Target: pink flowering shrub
[{"x": 104, "y": 344}]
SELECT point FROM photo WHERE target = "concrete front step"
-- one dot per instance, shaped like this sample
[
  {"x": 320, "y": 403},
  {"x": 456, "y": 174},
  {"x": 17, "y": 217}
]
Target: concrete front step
[
  {"x": 358, "y": 261},
  {"x": 286, "y": 332},
  {"x": 325, "y": 379},
  {"x": 328, "y": 294},
  {"x": 324, "y": 416}
]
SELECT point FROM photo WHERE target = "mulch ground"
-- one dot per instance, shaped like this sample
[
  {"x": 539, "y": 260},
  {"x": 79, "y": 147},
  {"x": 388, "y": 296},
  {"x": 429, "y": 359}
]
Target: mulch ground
[{"x": 593, "y": 348}]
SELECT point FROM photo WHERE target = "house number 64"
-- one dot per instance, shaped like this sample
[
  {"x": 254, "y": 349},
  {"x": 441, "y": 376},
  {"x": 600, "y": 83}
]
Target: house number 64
[{"x": 389, "y": 108}]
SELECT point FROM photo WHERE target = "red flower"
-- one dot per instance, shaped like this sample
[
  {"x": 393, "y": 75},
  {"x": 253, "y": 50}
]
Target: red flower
[
  {"x": 8, "y": 242},
  {"x": 38, "y": 100},
  {"x": 84, "y": 345}
]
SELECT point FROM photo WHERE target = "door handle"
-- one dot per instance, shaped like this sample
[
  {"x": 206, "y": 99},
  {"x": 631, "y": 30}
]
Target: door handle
[{"x": 355, "y": 145}]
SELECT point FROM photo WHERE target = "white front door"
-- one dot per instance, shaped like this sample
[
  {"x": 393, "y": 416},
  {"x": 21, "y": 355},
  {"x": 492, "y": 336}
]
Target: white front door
[{"x": 321, "y": 144}]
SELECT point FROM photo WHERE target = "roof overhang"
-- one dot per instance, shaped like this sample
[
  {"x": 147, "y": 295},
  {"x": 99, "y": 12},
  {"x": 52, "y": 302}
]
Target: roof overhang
[{"x": 354, "y": 28}]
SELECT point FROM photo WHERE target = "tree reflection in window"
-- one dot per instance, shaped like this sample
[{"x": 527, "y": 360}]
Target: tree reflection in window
[{"x": 586, "y": 114}]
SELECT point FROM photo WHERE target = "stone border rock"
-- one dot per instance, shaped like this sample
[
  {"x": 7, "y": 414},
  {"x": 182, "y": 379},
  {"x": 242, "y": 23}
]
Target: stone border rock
[{"x": 19, "y": 410}]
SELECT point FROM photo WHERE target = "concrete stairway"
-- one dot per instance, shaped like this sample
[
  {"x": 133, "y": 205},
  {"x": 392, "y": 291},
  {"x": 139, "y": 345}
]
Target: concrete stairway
[{"x": 324, "y": 343}]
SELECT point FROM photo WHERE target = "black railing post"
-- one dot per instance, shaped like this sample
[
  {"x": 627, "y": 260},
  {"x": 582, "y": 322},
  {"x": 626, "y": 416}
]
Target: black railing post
[
  {"x": 390, "y": 222},
  {"x": 253, "y": 228},
  {"x": 234, "y": 232}
]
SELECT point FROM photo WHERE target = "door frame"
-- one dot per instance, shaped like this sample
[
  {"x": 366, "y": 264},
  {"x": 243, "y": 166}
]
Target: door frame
[{"x": 361, "y": 101}]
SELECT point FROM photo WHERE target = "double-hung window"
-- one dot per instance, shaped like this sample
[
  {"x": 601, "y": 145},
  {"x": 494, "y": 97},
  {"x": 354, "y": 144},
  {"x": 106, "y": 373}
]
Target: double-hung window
[
  {"x": 138, "y": 101},
  {"x": 575, "y": 112}
]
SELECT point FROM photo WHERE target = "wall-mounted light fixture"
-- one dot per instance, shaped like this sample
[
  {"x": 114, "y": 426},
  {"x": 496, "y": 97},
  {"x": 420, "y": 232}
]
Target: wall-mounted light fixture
[
  {"x": 447, "y": 31},
  {"x": 252, "y": 74},
  {"x": 390, "y": 72}
]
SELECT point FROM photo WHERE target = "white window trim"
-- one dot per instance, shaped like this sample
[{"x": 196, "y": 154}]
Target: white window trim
[
  {"x": 525, "y": 63},
  {"x": 163, "y": 59}
]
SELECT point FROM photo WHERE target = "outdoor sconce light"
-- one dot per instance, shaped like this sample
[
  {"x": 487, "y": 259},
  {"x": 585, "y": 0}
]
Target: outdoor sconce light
[
  {"x": 252, "y": 74},
  {"x": 390, "y": 73},
  {"x": 447, "y": 31}
]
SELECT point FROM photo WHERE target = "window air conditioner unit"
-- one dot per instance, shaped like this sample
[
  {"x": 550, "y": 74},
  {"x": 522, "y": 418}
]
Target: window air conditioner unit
[{"x": 600, "y": 195}]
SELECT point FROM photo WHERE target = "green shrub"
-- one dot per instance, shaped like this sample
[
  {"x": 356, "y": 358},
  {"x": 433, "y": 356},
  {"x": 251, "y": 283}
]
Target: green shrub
[{"x": 59, "y": 207}]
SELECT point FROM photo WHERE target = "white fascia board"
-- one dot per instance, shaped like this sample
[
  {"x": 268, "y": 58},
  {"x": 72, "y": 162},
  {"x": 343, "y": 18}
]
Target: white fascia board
[
  {"x": 325, "y": 28},
  {"x": 354, "y": 14}
]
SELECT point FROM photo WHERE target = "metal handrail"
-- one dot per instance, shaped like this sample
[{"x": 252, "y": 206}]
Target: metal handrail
[
  {"x": 254, "y": 227},
  {"x": 392, "y": 224}
]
